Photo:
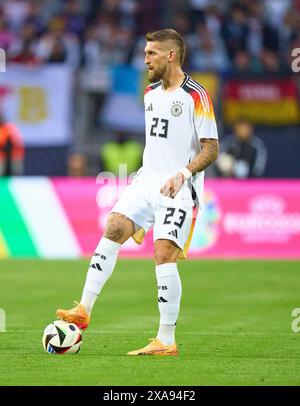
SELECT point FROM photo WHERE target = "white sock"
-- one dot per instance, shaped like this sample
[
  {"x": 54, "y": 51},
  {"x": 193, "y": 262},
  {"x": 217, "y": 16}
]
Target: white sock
[
  {"x": 169, "y": 295},
  {"x": 166, "y": 334},
  {"x": 100, "y": 269}
]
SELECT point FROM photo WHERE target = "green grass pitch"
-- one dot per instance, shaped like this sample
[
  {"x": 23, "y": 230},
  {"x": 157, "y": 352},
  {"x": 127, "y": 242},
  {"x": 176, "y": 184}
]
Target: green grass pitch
[{"x": 234, "y": 327}]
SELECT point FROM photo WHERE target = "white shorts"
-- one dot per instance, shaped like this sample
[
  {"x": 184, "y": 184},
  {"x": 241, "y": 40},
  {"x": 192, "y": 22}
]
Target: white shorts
[{"x": 171, "y": 219}]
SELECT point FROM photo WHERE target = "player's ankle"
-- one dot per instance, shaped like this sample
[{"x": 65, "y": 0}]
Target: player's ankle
[
  {"x": 166, "y": 342},
  {"x": 166, "y": 334},
  {"x": 88, "y": 300}
]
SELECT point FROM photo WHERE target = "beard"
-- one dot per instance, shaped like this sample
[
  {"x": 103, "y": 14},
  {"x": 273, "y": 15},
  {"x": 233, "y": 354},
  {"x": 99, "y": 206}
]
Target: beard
[{"x": 155, "y": 75}]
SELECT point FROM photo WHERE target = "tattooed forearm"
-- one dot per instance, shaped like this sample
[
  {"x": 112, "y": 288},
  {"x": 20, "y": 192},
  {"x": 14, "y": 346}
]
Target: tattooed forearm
[{"x": 207, "y": 155}]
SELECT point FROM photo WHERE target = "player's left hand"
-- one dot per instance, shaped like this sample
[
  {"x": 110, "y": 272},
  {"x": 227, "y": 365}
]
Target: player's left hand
[{"x": 173, "y": 185}]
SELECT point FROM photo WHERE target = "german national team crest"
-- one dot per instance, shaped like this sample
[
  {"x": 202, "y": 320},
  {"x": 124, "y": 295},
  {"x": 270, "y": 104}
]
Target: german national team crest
[{"x": 176, "y": 109}]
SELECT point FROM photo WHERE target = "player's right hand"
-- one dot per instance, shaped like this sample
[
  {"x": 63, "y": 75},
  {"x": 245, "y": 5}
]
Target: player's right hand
[{"x": 173, "y": 185}]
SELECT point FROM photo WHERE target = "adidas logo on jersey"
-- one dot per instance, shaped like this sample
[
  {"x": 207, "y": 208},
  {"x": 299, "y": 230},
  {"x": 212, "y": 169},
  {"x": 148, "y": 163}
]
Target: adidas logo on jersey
[
  {"x": 173, "y": 233},
  {"x": 150, "y": 107}
]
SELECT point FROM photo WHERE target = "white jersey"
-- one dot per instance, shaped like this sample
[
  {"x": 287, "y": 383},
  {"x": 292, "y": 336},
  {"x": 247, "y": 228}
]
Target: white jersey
[{"x": 175, "y": 122}]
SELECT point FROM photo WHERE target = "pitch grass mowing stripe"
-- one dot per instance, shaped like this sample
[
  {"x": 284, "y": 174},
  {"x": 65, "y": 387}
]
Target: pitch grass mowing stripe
[{"x": 13, "y": 227}]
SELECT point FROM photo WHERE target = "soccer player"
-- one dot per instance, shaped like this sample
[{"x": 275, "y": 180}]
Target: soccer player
[{"x": 181, "y": 141}]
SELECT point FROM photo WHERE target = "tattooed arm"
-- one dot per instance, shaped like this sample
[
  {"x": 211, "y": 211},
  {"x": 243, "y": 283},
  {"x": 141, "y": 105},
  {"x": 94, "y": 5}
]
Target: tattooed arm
[{"x": 207, "y": 155}]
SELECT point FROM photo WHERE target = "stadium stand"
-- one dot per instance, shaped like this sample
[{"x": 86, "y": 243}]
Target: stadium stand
[{"x": 101, "y": 44}]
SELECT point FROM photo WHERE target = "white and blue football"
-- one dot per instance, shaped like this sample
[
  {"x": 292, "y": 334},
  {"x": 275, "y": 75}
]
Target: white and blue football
[{"x": 61, "y": 337}]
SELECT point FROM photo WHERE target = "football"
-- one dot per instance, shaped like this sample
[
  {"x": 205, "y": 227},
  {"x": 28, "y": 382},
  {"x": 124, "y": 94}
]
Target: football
[{"x": 61, "y": 337}]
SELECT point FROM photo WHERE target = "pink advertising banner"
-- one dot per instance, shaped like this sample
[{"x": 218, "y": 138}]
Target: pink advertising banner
[{"x": 241, "y": 219}]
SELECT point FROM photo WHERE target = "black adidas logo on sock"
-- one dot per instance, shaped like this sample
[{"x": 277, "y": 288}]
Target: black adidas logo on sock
[
  {"x": 96, "y": 266},
  {"x": 162, "y": 300},
  {"x": 173, "y": 233},
  {"x": 150, "y": 107},
  {"x": 96, "y": 254}
]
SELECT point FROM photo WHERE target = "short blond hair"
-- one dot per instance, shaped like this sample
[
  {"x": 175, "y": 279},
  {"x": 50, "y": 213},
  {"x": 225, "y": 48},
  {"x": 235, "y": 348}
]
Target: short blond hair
[{"x": 169, "y": 34}]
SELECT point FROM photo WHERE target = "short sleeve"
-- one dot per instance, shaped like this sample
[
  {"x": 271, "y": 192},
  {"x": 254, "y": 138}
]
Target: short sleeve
[{"x": 203, "y": 115}]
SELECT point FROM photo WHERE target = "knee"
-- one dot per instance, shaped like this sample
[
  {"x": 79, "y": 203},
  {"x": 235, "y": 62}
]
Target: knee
[
  {"x": 118, "y": 228},
  {"x": 165, "y": 252},
  {"x": 114, "y": 231}
]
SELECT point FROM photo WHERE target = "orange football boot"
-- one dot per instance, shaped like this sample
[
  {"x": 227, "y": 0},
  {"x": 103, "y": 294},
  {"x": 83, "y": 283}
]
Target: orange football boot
[
  {"x": 78, "y": 315},
  {"x": 156, "y": 347}
]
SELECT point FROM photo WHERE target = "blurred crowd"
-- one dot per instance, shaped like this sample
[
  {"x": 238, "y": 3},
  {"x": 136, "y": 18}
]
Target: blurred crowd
[
  {"x": 244, "y": 36},
  {"x": 229, "y": 37}
]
